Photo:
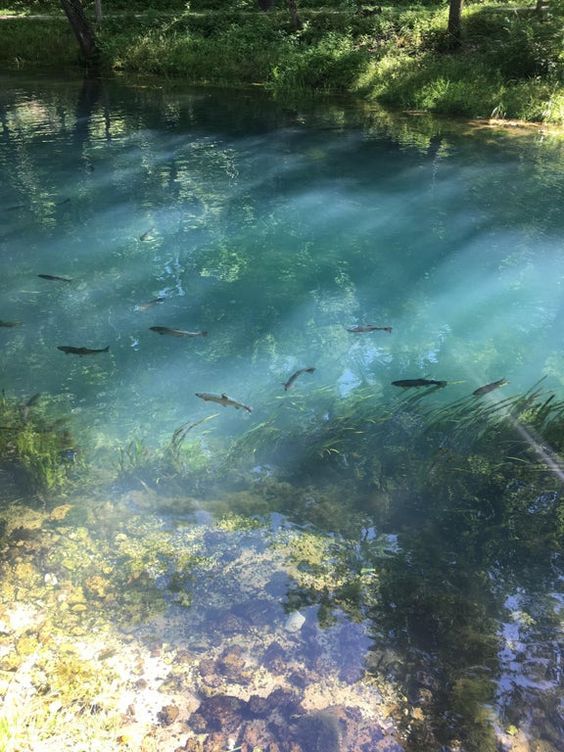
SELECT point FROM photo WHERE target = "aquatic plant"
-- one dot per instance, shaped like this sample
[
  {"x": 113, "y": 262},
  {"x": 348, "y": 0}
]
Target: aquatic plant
[
  {"x": 170, "y": 466},
  {"x": 37, "y": 450}
]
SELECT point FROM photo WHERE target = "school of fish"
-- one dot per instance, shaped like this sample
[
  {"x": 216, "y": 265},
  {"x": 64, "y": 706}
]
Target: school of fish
[{"x": 223, "y": 399}]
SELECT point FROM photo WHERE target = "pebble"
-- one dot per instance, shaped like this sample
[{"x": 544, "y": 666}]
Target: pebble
[{"x": 294, "y": 622}]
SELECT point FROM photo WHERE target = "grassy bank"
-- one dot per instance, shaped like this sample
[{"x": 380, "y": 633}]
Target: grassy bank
[{"x": 511, "y": 63}]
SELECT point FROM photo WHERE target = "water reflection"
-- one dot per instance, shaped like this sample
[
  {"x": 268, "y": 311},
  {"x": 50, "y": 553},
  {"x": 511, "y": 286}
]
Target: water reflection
[{"x": 348, "y": 566}]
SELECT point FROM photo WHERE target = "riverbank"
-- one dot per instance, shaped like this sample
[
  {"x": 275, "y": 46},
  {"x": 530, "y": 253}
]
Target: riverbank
[{"x": 510, "y": 64}]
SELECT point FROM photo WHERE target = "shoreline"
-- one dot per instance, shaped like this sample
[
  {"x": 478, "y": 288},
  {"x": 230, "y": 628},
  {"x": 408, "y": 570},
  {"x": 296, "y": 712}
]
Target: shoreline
[
  {"x": 513, "y": 126},
  {"x": 508, "y": 65}
]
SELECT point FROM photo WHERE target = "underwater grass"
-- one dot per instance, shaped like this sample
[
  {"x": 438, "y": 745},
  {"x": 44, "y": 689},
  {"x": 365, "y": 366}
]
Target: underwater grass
[{"x": 36, "y": 450}]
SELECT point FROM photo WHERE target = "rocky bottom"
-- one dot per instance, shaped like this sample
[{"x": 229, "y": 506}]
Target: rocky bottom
[{"x": 123, "y": 630}]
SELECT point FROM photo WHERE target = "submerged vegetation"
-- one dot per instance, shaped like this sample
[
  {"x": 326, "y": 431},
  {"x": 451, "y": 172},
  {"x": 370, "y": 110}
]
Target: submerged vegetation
[
  {"x": 471, "y": 492},
  {"x": 509, "y": 64},
  {"x": 36, "y": 450},
  {"x": 350, "y": 566}
]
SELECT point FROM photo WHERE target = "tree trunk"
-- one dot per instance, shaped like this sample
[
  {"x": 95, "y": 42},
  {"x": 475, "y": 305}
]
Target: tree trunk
[
  {"x": 82, "y": 30},
  {"x": 296, "y": 20},
  {"x": 98, "y": 5},
  {"x": 454, "y": 20}
]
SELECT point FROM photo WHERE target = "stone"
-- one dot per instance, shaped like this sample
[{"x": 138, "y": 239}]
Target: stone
[
  {"x": 167, "y": 715},
  {"x": 319, "y": 732},
  {"x": 216, "y": 743},
  {"x": 233, "y": 667},
  {"x": 253, "y": 735},
  {"x": 275, "y": 658},
  {"x": 258, "y": 612},
  {"x": 259, "y": 706},
  {"x": 60, "y": 512},
  {"x": 297, "y": 680},
  {"x": 294, "y": 622},
  {"x": 97, "y": 586},
  {"x": 219, "y": 713}
]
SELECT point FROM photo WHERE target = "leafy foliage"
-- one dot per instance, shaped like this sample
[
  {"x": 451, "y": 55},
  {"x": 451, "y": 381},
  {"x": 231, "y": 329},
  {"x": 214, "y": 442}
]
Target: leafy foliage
[{"x": 511, "y": 63}]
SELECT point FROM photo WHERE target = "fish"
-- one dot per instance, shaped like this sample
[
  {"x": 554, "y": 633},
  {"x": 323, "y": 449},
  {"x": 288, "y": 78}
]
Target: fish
[
  {"x": 68, "y": 350},
  {"x": 30, "y": 403},
  {"x": 69, "y": 455},
  {"x": 176, "y": 332},
  {"x": 406, "y": 383},
  {"x": 360, "y": 328},
  {"x": 489, "y": 387},
  {"x": 150, "y": 304},
  {"x": 223, "y": 399},
  {"x": 10, "y": 324},
  {"x": 294, "y": 376},
  {"x": 145, "y": 235},
  {"x": 54, "y": 277},
  {"x": 33, "y": 400}
]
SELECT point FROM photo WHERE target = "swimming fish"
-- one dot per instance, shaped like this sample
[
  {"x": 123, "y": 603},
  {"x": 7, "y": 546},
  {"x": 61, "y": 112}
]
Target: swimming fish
[
  {"x": 150, "y": 304},
  {"x": 176, "y": 332},
  {"x": 406, "y": 383},
  {"x": 30, "y": 403},
  {"x": 81, "y": 350},
  {"x": 145, "y": 235},
  {"x": 54, "y": 277},
  {"x": 10, "y": 324},
  {"x": 369, "y": 328},
  {"x": 294, "y": 376},
  {"x": 489, "y": 387},
  {"x": 224, "y": 400},
  {"x": 33, "y": 400}
]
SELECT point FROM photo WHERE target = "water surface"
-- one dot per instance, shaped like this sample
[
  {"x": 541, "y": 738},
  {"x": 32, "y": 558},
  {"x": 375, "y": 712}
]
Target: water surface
[{"x": 273, "y": 227}]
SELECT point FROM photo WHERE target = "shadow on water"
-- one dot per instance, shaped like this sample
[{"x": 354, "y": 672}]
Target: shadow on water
[{"x": 350, "y": 568}]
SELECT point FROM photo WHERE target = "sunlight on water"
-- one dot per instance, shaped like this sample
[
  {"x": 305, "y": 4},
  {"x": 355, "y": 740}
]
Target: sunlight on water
[
  {"x": 273, "y": 242},
  {"x": 326, "y": 550}
]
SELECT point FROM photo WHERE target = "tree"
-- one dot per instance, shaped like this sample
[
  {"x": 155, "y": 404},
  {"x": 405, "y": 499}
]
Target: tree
[
  {"x": 82, "y": 30},
  {"x": 296, "y": 20},
  {"x": 454, "y": 20},
  {"x": 267, "y": 5}
]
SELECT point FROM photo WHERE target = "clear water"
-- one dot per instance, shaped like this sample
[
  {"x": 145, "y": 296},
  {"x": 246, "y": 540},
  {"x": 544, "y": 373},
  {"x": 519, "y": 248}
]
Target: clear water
[{"x": 273, "y": 227}]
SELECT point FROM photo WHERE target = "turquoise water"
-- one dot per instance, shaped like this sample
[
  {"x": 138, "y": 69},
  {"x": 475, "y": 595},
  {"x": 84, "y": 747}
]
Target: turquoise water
[{"x": 274, "y": 227}]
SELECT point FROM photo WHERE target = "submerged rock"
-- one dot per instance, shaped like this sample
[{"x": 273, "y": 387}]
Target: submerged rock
[
  {"x": 232, "y": 666},
  {"x": 168, "y": 714},
  {"x": 219, "y": 713},
  {"x": 319, "y": 732},
  {"x": 294, "y": 622},
  {"x": 257, "y": 611},
  {"x": 275, "y": 658},
  {"x": 60, "y": 512}
]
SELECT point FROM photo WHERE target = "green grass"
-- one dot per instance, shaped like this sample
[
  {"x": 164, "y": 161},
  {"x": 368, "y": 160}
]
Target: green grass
[{"x": 511, "y": 63}]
